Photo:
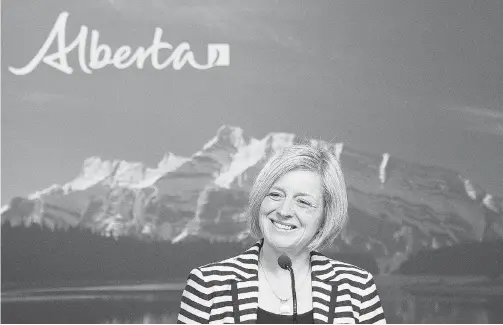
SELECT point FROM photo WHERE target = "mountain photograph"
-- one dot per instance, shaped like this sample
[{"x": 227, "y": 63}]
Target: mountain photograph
[
  {"x": 124, "y": 222},
  {"x": 397, "y": 208}
]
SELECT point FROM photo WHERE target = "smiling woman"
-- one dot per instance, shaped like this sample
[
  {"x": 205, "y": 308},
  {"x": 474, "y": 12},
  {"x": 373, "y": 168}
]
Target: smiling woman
[
  {"x": 298, "y": 204},
  {"x": 299, "y": 191}
]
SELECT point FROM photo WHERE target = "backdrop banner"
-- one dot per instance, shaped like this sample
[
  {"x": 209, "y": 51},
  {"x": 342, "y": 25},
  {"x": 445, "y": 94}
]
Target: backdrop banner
[{"x": 132, "y": 133}]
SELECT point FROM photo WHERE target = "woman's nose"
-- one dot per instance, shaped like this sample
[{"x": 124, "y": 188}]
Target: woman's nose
[{"x": 285, "y": 210}]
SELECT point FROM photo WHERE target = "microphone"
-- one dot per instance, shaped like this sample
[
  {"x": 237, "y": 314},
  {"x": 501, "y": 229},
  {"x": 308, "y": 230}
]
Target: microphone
[{"x": 286, "y": 263}]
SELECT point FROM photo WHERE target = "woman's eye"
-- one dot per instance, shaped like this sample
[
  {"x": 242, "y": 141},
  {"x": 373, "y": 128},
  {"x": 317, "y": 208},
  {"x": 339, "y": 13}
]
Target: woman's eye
[
  {"x": 305, "y": 203},
  {"x": 274, "y": 195}
]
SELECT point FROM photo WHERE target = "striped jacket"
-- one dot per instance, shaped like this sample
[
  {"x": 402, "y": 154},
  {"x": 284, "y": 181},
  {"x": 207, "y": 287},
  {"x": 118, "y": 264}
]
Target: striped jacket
[{"x": 227, "y": 292}]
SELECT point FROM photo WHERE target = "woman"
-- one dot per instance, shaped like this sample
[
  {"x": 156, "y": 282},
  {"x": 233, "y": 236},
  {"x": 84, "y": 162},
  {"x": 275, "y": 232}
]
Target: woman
[{"x": 297, "y": 205}]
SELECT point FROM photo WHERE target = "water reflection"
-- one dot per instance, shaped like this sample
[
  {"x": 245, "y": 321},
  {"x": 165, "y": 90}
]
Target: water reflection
[
  {"x": 427, "y": 309},
  {"x": 95, "y": 310},
  {"x": 131, "y": 307}
]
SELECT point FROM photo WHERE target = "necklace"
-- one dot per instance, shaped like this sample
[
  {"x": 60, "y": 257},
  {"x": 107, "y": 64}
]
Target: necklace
[{"x": 284, "y": 307}]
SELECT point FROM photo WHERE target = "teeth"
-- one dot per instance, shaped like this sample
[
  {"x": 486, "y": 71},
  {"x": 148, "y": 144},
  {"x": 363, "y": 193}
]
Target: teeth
[{"x": 281, "y": 226}]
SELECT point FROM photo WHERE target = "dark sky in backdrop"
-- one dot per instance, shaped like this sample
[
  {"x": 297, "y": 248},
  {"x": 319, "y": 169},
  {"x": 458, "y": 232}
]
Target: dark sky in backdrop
[{"x": 422, "y": 80}]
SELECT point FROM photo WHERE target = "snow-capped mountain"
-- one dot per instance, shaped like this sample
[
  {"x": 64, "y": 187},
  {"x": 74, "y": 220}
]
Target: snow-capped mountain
[{"x": 396, "y": 207}]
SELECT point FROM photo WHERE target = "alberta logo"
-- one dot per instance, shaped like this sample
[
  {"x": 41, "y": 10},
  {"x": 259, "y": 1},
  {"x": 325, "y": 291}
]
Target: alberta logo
[{"x": 102, "y": 55}]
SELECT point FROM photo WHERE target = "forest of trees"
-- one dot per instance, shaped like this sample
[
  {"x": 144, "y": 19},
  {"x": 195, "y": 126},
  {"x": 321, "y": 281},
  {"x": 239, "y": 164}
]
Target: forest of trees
[
  {"x": 475, "y": 258},
  {"x": 37, "y": 255}
]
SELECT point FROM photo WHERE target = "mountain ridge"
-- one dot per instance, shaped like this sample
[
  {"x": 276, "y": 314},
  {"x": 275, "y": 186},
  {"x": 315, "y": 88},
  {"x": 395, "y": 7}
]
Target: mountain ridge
[{"x": 396, "y": 207}]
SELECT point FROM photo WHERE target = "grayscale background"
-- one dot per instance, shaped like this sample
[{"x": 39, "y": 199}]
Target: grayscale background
[{"x": 115, "y": 184}]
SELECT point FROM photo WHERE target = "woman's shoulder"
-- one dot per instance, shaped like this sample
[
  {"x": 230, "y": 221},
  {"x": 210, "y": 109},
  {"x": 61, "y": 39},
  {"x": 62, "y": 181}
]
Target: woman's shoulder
[
  {"x": 238, "y": 267},
  {"x": 338, "y": 270},
  {"x": 234, "y": 261}
]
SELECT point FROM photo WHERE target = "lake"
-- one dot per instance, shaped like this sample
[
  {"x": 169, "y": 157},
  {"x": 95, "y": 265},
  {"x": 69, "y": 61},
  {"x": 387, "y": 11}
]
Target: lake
[
  {"x": 142, "y": 303},
  {"x": 430, "y": 302}
]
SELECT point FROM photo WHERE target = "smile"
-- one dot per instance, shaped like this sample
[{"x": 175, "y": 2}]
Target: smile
[{"x": 282, "y": 226}]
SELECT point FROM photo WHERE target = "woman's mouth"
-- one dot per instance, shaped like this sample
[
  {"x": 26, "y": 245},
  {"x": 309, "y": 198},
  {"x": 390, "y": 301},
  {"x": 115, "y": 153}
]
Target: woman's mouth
[{"x": 283, "y": 226}]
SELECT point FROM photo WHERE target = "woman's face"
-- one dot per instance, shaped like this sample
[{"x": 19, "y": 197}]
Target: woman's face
[{"x": 291, "y": 212}]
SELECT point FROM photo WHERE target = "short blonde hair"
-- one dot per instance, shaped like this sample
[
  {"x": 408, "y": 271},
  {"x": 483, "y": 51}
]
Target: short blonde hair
[{"x": 317, "y": 158}]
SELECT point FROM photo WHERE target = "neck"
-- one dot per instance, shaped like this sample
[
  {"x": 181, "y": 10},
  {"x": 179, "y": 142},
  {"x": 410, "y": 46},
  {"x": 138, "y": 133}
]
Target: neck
[{"x": 301, "y": 260}]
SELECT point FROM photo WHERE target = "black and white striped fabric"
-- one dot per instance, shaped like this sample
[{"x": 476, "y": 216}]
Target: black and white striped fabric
[{"x": 227, "y": 292}]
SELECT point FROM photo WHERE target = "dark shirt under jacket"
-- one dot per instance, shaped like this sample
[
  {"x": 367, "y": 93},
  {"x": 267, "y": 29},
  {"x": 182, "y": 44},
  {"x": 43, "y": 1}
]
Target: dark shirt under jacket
[{"x": 265, "y": 317}]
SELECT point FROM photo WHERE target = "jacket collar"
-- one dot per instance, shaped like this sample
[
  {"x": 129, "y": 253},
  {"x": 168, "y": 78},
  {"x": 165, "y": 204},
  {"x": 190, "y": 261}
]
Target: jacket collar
[
  {"x": 322, "y": 275},
  {"x": 319, "y": 263}
]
